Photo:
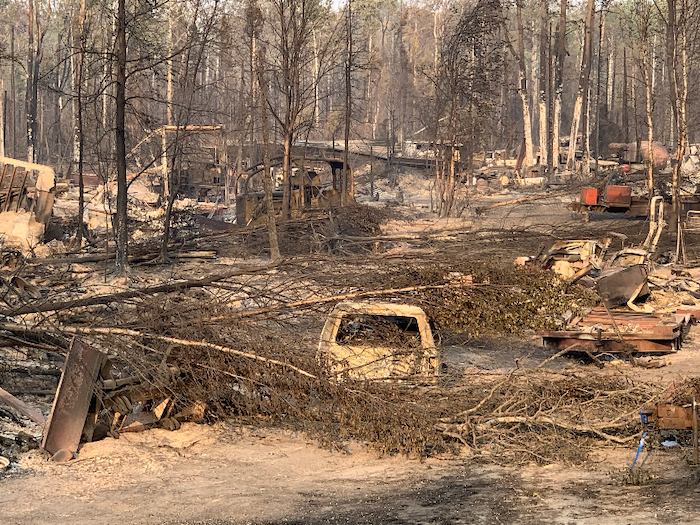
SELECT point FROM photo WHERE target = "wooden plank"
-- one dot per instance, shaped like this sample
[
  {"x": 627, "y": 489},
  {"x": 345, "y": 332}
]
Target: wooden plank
[
  {"x": 22, "y": 407},
  {"x": 21, "y": 190},
  {"x": 72, "y": 401}
]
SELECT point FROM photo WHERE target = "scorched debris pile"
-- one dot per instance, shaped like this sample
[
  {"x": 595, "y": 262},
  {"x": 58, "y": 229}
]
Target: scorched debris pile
[{"x": 242, "y": 344}]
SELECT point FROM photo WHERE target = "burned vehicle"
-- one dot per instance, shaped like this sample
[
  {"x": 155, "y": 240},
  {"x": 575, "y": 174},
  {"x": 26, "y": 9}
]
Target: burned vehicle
[{"x": 377, "y": 341}]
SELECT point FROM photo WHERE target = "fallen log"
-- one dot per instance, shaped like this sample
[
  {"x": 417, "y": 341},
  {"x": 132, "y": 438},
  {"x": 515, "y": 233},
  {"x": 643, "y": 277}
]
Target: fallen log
[
  {"x": 531, "y": 198},
  {"x": 22, "y": 407}
]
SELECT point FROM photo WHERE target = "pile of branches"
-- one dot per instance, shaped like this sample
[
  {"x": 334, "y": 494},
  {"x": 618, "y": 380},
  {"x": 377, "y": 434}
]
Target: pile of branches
[
  {"x": 541, "y": 416},
  {"x": 322, "y": 231},
  {"x": 265, "y": 373},
  {"x": 244, "y": 345}
]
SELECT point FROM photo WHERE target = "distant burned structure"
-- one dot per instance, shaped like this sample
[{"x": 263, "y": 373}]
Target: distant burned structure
[
  {"x": 628, "y": 154},
  {"x": 315, "y": 184},
  {"x": 201, "y": 171}
]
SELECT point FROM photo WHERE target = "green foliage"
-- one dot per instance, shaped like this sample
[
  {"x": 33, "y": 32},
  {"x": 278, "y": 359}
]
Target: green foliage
[{"x": 504, "y": 299}]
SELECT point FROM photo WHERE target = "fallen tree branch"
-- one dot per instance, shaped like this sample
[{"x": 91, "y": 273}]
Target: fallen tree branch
[
  {"x": 128, "y": 294},
  {"x": 14, "y": 327},
  {"x": 521, "y": 199},
  {"x": 450, "y": 430},
  {"x": 485, "y": 400},
  {"x": 543, "y": 420},
  {"x": 555, "y": 356},
  {"x": 341, "y": 297}
]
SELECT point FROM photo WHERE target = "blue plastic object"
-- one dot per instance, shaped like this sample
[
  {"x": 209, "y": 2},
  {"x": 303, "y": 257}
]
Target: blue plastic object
[{"x": 639, "y": 450}]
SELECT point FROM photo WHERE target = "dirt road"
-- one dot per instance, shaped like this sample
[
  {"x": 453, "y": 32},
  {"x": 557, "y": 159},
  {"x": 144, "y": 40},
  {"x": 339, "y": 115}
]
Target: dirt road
[{"x": 235, "y": 475}]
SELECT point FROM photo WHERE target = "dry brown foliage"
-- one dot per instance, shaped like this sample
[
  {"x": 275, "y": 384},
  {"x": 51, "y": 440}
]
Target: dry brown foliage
[{"x": 242, "y": 350}]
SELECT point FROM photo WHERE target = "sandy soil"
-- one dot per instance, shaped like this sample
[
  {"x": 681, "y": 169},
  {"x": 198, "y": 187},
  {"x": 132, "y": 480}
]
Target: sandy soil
[{"x": 231, "y": 475}]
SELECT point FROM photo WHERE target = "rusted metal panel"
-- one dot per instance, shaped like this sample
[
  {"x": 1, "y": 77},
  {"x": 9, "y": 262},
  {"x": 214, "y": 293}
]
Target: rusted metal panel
[
  {"x": 629, "y": 321},
  {"x": 589, "y": 196},
  {"x": 618, "y": 285},
  {"x": 673, "y": 417},
  {"x": 620, "y": 196},
  {"x": 607, "y": 343},
  {"x": 595, "y": 333},
  {"x": 73, "y": 396}
]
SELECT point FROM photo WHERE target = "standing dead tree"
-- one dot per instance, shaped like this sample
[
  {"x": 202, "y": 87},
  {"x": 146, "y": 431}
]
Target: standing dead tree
[
  {"x": 466, "y": 82},
  {"x": 298, "y": 62},
  {"x": 35, "y": 53},
  {"x": 183, "y": 101},
  {"x": 523, "y": 88},
  {"x": 543, "y": 83},
  {"x": 581, "y": 104},
  {"x": 122, "y": 228},
  {"x": 677, "y": 20},
  {"x": 644, "y": 14},
  {"x": 267, "y": 176},
  {"x": 559, "y": 79}
]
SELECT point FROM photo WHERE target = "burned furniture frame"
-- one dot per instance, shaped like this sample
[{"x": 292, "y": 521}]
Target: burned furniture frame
[
  {"x": 26, "y": 186},
  {"x": 26, "y": 201}
]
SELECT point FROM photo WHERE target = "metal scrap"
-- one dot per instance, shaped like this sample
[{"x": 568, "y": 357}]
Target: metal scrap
[
  {"x": 73, "y": 397},
  {"x": 595, "y": 333}
]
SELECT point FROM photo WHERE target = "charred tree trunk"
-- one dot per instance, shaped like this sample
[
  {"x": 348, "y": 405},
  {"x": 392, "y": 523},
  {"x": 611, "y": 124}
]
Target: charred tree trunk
[
  {"x": 121, "y": 227},
  {"x": 543, "y": 81},
  {"x": 287, "y": 172},
  {"x": 646, "y": 66},
  {"x": 676, "y": 32},
  {"x": 267, "y": 177},
  {"x": 345, "y": 184},
  {"x": 583, "y": 84},
  {"x": 2, "y": 118},
  {"x": 77, "y": 61},
  {"x": 524, "y": 93},
  {"x": 559, "y": 79},
  {"x": 31, "y": 103},
  {"x": 13, "y": 89},
  {"x": 625, "y": 102},
  {"x": 601, "y": 40}
]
